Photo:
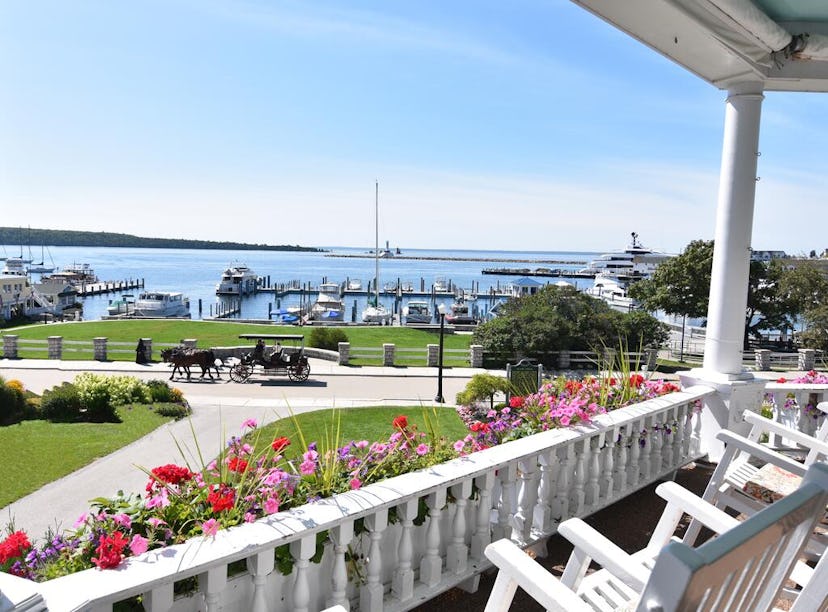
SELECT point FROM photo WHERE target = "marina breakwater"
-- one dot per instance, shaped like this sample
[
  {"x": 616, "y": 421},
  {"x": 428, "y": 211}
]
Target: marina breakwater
[{"x": 456, "y": 258}]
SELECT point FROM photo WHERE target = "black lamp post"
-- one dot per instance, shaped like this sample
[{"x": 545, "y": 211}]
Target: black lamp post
[{"x": 441, "y": 311}]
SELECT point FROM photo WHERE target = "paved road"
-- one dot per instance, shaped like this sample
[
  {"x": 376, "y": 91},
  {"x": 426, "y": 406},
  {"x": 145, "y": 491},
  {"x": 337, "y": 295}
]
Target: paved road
[{"x": 219, "y": 408}]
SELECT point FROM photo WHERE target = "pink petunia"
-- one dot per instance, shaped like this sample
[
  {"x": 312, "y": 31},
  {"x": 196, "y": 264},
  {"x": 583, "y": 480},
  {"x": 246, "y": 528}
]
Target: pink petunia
[
  {"x": 249, "y": 517},
  {"x": 81, "y": 520},
  {"x": 155, "y": 522},
  {"x": 159, "y": 501},
  {"x": 139, "y": 544},
  {"x": 307, "y": 467},
  {"x": 249, "y": 423},
  {"x": 271, "y": 505},
  {"x": 458, "y": 446},
  {"x": 422, "y": 449},
  {"x": 355, "y": 483},
  {"x": 210, "y": 527},
  {"x": 123, "y": 520}
]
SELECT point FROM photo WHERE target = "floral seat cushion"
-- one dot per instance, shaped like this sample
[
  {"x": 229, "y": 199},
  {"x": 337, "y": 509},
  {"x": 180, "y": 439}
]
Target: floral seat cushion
[{"x": 771, "y": 483}]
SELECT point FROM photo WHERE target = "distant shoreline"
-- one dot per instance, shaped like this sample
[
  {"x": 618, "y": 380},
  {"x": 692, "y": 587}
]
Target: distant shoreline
[{"x": 453, "y": 258}]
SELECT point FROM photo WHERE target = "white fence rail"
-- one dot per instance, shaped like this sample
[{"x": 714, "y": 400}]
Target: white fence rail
[{"x": 375, "y": 557}]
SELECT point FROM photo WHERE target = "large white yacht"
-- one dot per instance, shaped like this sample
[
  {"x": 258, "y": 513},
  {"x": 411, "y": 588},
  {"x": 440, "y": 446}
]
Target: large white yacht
[
  {"x": 161, "y": 304},
  {"x": 633, "y": 263},
  {"x": 328, "y": 305},
  {"x": 237, "y": 280}
]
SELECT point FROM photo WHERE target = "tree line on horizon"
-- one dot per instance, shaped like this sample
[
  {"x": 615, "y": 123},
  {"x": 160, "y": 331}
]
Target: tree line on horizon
[{"x": 47, "y": 237}]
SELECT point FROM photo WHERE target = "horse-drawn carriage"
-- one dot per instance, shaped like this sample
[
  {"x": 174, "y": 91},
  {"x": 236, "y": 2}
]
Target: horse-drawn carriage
[{"x": 273, "y": 359}]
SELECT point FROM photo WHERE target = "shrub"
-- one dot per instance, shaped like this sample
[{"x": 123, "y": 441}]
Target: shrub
[
  {"x": 160, "y": 391},
  {"x": 100, "y": 395},
  {"x": 327, "y": 338},
  {"x": 12, "y": 402},
  {"x": 170, "y": 409},
  {"x": 61, "y": 403}
]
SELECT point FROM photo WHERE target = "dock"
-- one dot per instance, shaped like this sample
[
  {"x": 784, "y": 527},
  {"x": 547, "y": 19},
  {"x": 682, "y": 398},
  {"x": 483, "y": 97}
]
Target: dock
[
  {"x": 553, "y": 272},
  {"x": 101, "y": 287}
]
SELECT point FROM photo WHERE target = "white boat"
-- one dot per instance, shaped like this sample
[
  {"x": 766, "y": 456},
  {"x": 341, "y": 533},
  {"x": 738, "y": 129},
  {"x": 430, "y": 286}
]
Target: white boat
[
  {"x": 375, "y": 312},
  {"x": 611, "y": 290},
  {"x": 328, "y": 306},
  {"x": 161, "y": 304},
  {"x": 460, "y": 314},
  {"x": 354, "y": 284},
  {"x": 417, "y": 312},
  {"x": 123, "y": 306},
  {"x": 77, "y": 274},
  {"x": 633, "y": 263},
  {"x": 440, "y": 285},
  {"x": 237, "y": 280}
]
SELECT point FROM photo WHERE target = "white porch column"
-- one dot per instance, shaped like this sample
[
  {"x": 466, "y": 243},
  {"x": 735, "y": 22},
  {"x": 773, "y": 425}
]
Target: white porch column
[
  {"x": 737, "y": 390},
  {"x": 734, "y": 225}
]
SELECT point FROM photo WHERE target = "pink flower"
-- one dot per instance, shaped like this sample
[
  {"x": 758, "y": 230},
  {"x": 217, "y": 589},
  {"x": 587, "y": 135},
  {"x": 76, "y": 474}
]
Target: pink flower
[
  {"x": 249, "y": 517},
  {"x": 81, "y": 520},
  {"x": 307, "y": 468},
  {"x": 355, "y": 483},
  {"x": 123, "y": 520},
  {"x": 159, "y": 501},
  {"x": 249, "y": 423},
  {"x": 565, "y": 421},
  {"x": 210, "y": 527},
  {"x": 361, "y": 444},
  {"x": 271, "y": 505},
  {"x": 139, "y": 544},
  {"x": 155, "y": 522},
  {"x": 458, "y": 446},
  {"x": 422, "y": 449}
]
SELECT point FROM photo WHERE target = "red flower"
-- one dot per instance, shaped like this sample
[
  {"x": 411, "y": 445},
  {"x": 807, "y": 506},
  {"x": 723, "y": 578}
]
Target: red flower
[
  {"x": 221, "y": 497},
  {"x": 237, "y": 465},
  {"x": 477, "y": 426},
  {"x": 14, "y": 546},
  {"x": 280, "y": 444},
  {"x": 573, "y": 386},
  {"x": 636, "y": 380},
  {"x": 110, "y": 550},
  {"x": 516, "y": 401},
  {"x": 401, "y": 422},
  {"x": 170, "y": 474},
  {"x": 781, "y": 379}
]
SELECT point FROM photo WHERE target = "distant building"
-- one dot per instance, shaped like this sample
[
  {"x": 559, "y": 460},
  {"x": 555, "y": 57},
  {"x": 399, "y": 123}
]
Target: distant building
[
  {"x": 525, "y": 286},
  {"x": 767, "y": 255}
]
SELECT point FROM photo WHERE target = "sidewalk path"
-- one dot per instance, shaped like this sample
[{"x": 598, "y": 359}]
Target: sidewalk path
[{"x": 219, "y": 409}]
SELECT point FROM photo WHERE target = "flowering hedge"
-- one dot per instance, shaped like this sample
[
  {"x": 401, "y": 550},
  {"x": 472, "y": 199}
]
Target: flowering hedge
[{"x": 252, "y": 478}]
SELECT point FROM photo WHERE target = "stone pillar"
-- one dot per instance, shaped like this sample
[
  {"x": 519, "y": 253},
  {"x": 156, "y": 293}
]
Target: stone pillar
[
  {"x": 344, "y": 353},
  {"x": 651, "y": 359},
  {"x": 388, "y": 351},
  {"x": 433, "y": 355},
  {"x": 189, "y": 343},
  {"x": 476, "y": 355},
  {"x": 148, "y": 348},
  {"x": 55, "y": 347},
  {"x": 10, "y": 346},
  {"x": 564, "y": 360},
  {"x": 100, "y": 348},
  {"x": 807, "y": 358},
  {"x": 762, "y": 357},
  {"x": 734, "y": 225}
]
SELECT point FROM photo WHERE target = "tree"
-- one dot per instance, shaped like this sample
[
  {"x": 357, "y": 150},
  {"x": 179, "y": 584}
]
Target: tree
[
  {"x": 816, "y": 333},
  {"x": 483, "y": 387}
]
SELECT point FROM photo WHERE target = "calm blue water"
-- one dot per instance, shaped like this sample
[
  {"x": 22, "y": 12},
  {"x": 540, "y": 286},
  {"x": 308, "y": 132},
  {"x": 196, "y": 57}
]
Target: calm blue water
[{"x": 196, "y": 272}]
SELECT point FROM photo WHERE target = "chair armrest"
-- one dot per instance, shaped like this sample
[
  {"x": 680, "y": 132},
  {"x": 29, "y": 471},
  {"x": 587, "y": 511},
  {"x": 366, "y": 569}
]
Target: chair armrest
[
  {"x": 681, "y": 501},
  {"x": 516, "y": 568},
  {"x": 800, "y": 438},
  {"x": 764, "y": 453},
  {"x": 594, "y": 545}
]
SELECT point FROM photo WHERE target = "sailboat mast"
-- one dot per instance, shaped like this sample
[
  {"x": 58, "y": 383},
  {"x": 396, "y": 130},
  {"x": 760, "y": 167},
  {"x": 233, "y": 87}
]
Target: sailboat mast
[{"x": 376, "y": 242}]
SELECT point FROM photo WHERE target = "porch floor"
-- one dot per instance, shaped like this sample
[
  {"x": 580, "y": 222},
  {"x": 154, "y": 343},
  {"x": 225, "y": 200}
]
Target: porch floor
[{"x": 628, "y": 523}]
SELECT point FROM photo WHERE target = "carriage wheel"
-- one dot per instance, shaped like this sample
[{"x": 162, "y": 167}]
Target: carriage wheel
[
  {"x": 299, "y": 372},
  {"x": 240, "y": 372}
]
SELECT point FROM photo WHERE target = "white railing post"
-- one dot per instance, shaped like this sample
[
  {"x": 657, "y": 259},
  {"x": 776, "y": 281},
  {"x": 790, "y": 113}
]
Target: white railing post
[
  {"x": 370, "y": 594},
  {"x": 212, "y": 583},
  {"x": 620, "y": 472},
  {"x": 560, "y": 505},
  {"x": 505, "y": 507},
  {"x": 341, "y": 536},
  {"x": 260, "y": 567},
  {"x": 159, "y": 599},
  {"x": 431, "y": 565},
  {"x": 592, "y": 492},
  {"x": 301, "y": 550},
  {"x": 578, "y": 494},
  {"x": 546, "y": 489},
  {"x": 402, "y": 584},
  {"x": 482, "y": 536},
  {"x": 607, "y": 485},
  {"x": 457, "y": 553},
  {"x": 527, "y": 499}
]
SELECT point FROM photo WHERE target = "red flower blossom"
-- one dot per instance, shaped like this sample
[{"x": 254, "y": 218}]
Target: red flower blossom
[
  {"x": 636, "y": 380},
  {"x": 478, "y": 426},
  {"x": 280, "y": 444},
  {"x": 169, "y": 474},
  {"x": 516, "y": 401},
  {"x": 781, "y": 379},
  {"x": 221, "y": 497},
  {"x": 401, "y": 422},
  {"x": 573, "y": 386},
  {"x": 110, "y": 550},
  {"x": 14, "y": 546},
  {"x": 237, "y": 465}
]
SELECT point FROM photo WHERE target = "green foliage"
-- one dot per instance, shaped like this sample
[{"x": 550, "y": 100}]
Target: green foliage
[
  {"x": 327, "y": 338},
  {"x": 172, "y": 409},
  {"x": 815, "y": 335},
  {"x": 13, "y": 405},
  {"x": 561, "y": 318},
  {"x": 160, "y": 391},
  {"x": 483, "y": 387},
  {"x": 100, "y": 395},
  {"x": 61, "y": 404}
]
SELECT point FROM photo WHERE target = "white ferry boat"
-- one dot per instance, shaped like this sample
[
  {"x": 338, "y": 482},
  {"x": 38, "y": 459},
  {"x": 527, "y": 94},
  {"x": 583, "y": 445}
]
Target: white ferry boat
[
  {"x": 633, "y": 263},
  {"x": 237, "y": 280},
  {"x": 328, "y": 305},
  {"x": 161, "y": 304}
]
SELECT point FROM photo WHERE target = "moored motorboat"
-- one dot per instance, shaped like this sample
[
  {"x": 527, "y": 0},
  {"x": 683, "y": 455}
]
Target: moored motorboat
[
  {"x": 161, "y": 304},
  {"x": 237, "y": 280},
  {"x": 328, "y": 305},
  {"x": 460, "y": 314},
  {"x": 417, "y": 312},
  {"x": 608, "y": 288},
  {"x": 120, "y": 307}
]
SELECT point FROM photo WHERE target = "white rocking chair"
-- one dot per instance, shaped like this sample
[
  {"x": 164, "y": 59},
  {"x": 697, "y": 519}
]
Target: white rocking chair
[{"x": 742, "y": 569}]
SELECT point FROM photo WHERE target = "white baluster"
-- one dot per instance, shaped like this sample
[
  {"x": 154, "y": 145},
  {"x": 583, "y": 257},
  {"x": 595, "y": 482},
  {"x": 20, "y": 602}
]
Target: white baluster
[
  {"x": 301, "y": 551},
  {"x": 593, "y": 489},
  {"x": 402, "y": 584},
  {"x": 457, "y": 553},
  {"x": 527, "y": 499},
  {"x": 212, "y": 583},
  {"x": 657, "y": 438},
  {"x": 685, "y": 427},
  {"x": 260, "y": 567},
  {"x": 576, "y": 497},
  {"x": 549, "y": 468},
  {"x": 482, "y": 536},
  {"x": 370, "y": 593},
  {"x": 608, "y": 467},
  {"x": 620, "y": 475},
  {"x": 560, "y": 504},
  {"x": 506, "y": 505},
  {"x": 341, "y": 536},
  {"x": 431, "y": 565},
  {"x": 160, "y": 599},
  {"x": 695, "y": 443},
  {"x": 646, "y": 448},
  {"x": 634, "y": 467}
]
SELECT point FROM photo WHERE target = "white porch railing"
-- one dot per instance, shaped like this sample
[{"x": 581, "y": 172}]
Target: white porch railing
[
  {"x": 795, "y": 405},
  {"x": 375, "y": 557}
]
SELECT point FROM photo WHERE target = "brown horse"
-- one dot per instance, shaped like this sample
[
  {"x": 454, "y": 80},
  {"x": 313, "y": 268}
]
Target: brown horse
[{"x": 182, "y": 358}]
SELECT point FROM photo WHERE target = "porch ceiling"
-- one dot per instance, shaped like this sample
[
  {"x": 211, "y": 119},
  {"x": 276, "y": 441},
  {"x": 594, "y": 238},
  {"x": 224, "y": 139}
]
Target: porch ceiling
[{"x": 783, "y": 43}]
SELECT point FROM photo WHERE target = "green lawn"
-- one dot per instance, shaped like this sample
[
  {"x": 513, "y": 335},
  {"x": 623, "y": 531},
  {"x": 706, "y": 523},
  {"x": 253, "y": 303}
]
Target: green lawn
[
  {"x": 34, "y": 453},
  {"x": 218, "y": 333}
]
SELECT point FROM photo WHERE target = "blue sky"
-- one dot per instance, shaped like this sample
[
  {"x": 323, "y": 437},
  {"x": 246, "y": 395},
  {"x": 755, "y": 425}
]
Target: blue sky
[{"x": 526, "y": 125}]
